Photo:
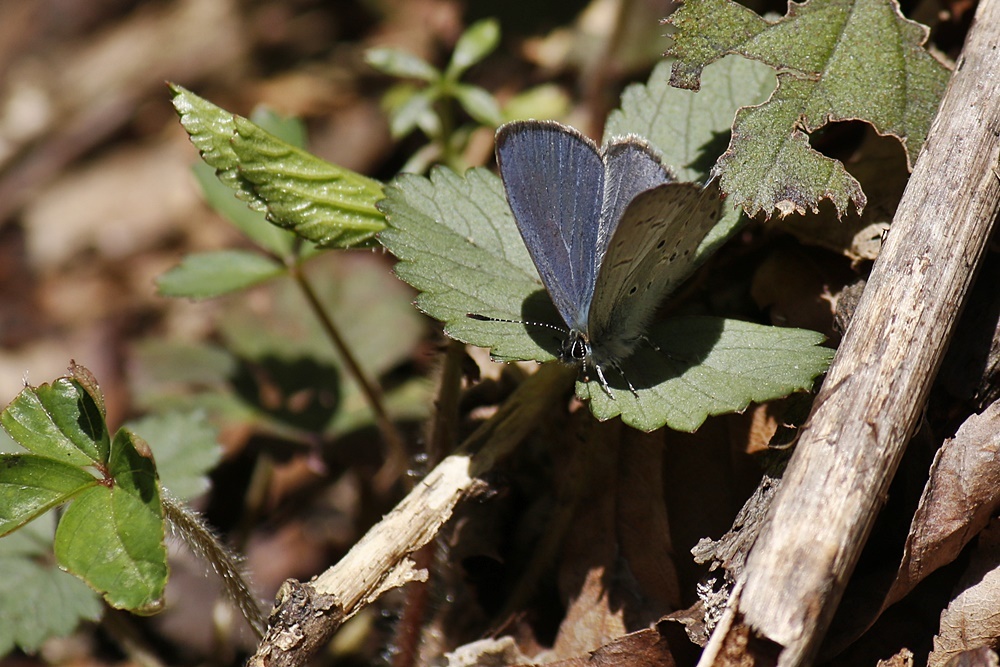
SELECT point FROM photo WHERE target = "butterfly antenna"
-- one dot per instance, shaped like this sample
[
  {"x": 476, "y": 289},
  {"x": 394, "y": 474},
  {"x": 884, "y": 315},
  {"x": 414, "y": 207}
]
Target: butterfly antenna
[{"x": 544, "y": 325}]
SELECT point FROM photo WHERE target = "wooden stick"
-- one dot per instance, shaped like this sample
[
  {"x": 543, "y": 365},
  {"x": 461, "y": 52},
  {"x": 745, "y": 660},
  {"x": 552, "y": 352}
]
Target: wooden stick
[{"x": 875, "y": 391}]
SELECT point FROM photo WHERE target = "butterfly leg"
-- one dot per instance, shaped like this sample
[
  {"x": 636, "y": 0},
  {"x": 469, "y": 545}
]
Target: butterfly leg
[
  {"x": 621, "y": 372},
  {"x": 604, "y": 382}
]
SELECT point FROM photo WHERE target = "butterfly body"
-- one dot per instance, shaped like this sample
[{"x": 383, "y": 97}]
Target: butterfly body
[{"x": 608, "y": 230}]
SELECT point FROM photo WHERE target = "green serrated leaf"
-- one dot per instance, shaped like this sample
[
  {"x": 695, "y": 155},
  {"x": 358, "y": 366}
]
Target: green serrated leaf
[
  {"x": 60, "y": 421},
  {"x": 708, "y": 366},
  {"x": 839, "y": 60},
  {"x": 186, "y": 447},
  {"x": 326, "y": 204},
  {"x": 210, "y": 274},
  {"x": 125, "y": 517},
  {"x": 459, "y": 246},
  {"x": 323, "y": 203},
  {"x": 479, "y": 104},
  {"x": 477, "y": 42},
  {"x": 289, "y": 129},
  {"x": 31, "y": 485},
  {"x": 690, "y": 130},
  {"x": 220, "y": 195},
  {"x": 252, "y": 223},
  {"x": 397, "y": 62},
  {"x": 38, "y": 600},
  {"x": 211, "y": 130}
]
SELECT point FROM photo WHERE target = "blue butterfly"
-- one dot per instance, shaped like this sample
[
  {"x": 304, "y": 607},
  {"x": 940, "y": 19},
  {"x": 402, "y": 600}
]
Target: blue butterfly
[{"x": 609, "y": 231}]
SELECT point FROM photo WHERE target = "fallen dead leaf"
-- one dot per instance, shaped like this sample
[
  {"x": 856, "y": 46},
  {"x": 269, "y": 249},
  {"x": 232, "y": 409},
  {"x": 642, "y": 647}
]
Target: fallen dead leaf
[
  {"x": 972, "y": 620},
  {"x": 960, "y": 496}
]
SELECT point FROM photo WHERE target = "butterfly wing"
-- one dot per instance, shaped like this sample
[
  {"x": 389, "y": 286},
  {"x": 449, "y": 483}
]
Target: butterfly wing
[
  {"x": 631, "y": 167},
  {"x": 554, "y": 180},
  {"x": 650, "y": 254}
]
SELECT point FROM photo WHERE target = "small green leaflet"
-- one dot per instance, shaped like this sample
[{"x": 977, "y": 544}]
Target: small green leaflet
[{"x": 210, "y": 274}]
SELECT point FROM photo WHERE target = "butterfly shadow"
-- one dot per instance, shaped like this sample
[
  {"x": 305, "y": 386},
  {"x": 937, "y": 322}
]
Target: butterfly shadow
[
  {"x": 542, "y": 322},
  {"x": 670, "y": 350}
]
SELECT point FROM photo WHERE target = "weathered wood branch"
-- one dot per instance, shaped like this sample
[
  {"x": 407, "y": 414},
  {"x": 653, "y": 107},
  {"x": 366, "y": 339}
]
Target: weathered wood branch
[{"x": 877, "y": 386}]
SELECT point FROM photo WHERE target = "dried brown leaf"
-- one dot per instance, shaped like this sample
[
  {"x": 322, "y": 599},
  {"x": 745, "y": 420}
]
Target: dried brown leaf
[
  {"x": 616, "y": 569},
  {"x": 963, "y": 492},
  {"x": 977, "y": 657},
  {"x": 644, "y": 648},
  {"x": 972, "y": 620}
]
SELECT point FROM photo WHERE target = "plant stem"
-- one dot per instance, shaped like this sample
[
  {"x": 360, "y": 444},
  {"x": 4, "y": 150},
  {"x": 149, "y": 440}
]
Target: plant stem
[
  {"x": 443, "y": 432},
  {"x": 190, "y": 527},
  {"x": 396, "y": 458}
]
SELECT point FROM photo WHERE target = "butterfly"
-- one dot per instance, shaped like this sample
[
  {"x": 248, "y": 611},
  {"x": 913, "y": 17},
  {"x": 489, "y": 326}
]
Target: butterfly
[{"x": 608, "y": 229}]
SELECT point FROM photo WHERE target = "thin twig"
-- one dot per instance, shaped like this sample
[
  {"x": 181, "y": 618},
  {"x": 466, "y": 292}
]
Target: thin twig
[{"x": 396, "y": 458}]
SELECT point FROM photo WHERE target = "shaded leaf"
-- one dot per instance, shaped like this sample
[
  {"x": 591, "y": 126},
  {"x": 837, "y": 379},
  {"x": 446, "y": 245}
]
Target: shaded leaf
[
  {"x": 838, "y": 60},
  {"x": 277, "y": 347},
  {"x": 690, "y": 129},
  {"x": 186, "y": 449},
  {"x": 37, "y": 599},
  {"x": 614, "y": 566},
  {"x": 971, "y": 620},
  {"x": 960, "y": 496},
  {"x": 210, "y": 274}
]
